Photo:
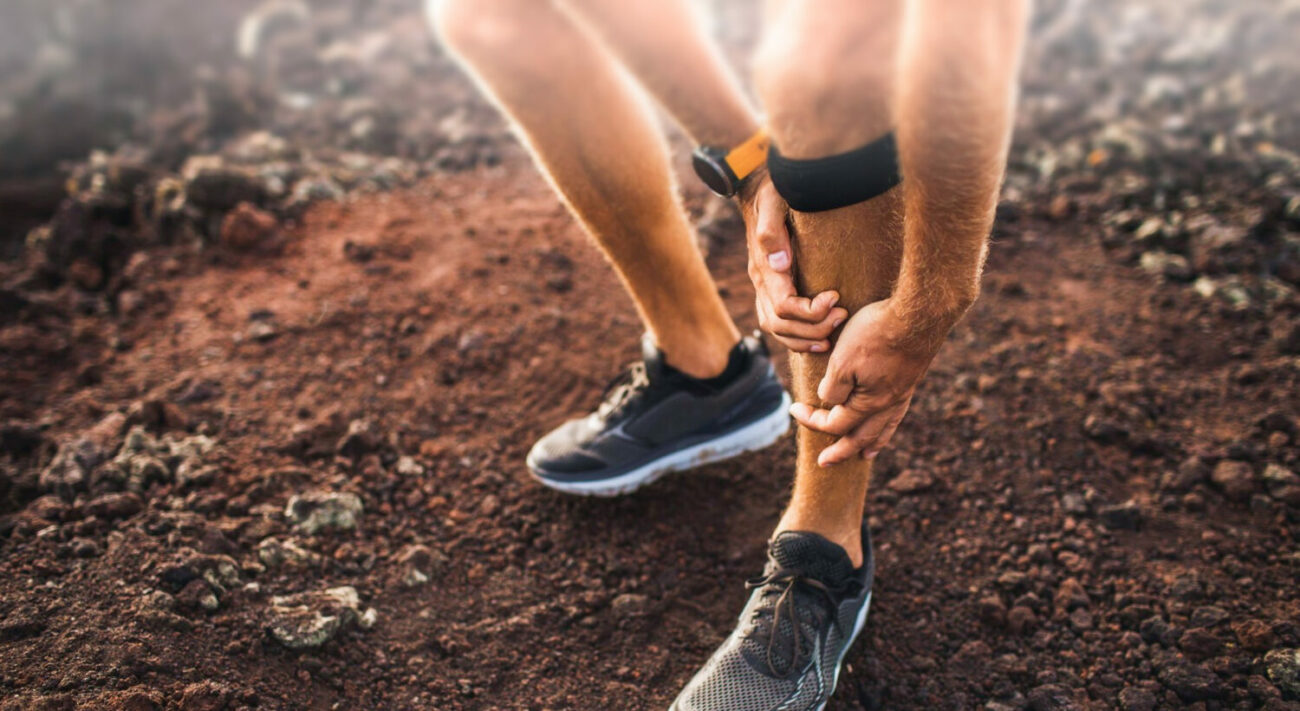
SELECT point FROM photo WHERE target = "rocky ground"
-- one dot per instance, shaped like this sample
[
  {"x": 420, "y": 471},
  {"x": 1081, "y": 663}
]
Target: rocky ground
[{"x": 270, "y": 360}]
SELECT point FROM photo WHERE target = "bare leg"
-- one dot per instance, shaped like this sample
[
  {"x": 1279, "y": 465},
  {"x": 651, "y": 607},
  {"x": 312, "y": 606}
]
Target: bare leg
[
  {"x": 825, "y": 72},
  {"x": 594, "y": 136}
]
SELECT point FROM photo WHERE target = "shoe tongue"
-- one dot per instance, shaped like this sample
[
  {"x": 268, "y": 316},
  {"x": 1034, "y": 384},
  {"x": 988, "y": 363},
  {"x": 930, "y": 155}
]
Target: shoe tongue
[{"x": 812, "y": 555}]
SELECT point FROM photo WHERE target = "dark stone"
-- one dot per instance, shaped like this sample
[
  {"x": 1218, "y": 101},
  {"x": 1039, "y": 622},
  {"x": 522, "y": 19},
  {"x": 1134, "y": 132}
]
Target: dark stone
[
  {"x": 1126, "y": 516},
  {"x": 1191, "y": 682}
]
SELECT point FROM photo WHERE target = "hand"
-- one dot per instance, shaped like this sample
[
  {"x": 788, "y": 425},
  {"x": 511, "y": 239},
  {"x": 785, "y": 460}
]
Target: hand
[
  {"x": 800, "y": 324},
  {"x": 869, "y": 382}
]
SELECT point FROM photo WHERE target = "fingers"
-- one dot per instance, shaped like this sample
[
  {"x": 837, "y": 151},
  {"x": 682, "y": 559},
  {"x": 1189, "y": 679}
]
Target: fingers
[
  {"x": 867, "y": 440},
  {"x": 814, "y": 310},
  {"x": 838, "y": 420},
  {"x": 798, "y": 337}
]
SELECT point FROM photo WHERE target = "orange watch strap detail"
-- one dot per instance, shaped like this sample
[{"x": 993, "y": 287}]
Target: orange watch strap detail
[{"x": 748, "y": 156}]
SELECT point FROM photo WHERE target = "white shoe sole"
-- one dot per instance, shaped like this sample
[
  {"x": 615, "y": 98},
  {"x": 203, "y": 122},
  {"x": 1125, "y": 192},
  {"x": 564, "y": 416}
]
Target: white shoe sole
[{"x": 757, "y": 435}]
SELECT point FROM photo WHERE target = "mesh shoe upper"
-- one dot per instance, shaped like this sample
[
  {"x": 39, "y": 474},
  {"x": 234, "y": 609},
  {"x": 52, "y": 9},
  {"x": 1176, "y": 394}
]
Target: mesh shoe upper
[
  {"x": 653, "y": 408},
  {"x": 786, "y": 650}
]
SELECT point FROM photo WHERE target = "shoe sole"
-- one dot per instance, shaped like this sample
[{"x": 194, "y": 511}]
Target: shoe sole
[
  {"x": 839, "y": 662},
  {"x": 760, "y": 434}
]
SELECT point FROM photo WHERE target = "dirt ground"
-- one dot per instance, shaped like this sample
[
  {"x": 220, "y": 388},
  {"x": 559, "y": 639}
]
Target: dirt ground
[{"x": 282, "y": 469}]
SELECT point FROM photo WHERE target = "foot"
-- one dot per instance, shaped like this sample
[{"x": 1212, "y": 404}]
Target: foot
[
  {"x": 656, "y": 420},
  {"x": 803, "y": 615}
]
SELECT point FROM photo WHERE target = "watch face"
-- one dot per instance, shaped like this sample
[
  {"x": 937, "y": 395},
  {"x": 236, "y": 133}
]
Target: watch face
[{"x": 714, "y": 172}]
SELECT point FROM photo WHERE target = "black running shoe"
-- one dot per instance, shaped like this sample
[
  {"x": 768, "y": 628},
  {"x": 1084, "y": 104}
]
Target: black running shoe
[
  {"x": 655, "y": 420},
  {"x": 803, "y": 615}
]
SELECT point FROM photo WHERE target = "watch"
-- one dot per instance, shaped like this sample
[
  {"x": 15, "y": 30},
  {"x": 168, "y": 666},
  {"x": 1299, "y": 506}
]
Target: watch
[{"x": 725, "y": 170}]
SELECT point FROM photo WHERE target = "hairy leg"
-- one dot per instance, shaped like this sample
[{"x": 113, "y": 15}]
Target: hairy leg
[
  {"x": 825, "y": 72},
  {"x": 597, "y": 140}
]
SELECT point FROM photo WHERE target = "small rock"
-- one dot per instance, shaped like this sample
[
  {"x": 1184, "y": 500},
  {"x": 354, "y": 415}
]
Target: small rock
[
  {"x": 1021, "y": 619},
  {"x": 1074, "y": 504},
  {"x": 1052, "y": 697},
  {"x": 1190, "y": 472},
  {"x": 217, "y": 188},
  {"x": 275, "y": 553},
  {"x": 198, "y": 595},
  {"x": 49, "y": 508},
  {"x": 1125, "y": 517},
  {"x": 1199, "y": 643},
  {"x": 1236, "y": 479},
  {"x": 629, "y": 605},
  {"x": 1254, "y": 635},
  {"x": 1191, "y": 682},
  {"x": 324, "y": 511},
  {"x": 912, "y": 481},
  {"x": 85, "y": 548},
  {"x": 113, "y": 506},
  {"x": 407, "y": 466},
  {"x": 420, "y": 564},
  {"x": 991, "y": 611},
  {"x": 1276, "y": 475},
  {"x": 309, "y": 620},
  {"x": 1134, "y": 699},
  {"x": 1071, "y": 595},
  {"x": 360, "y": 439},
  {"x": 248, "y": 229},
  {"x": 1209, "y": 616},
  {"x": 1104, "y": 430},
  {"x": 1169, "y": 266},
  {"x": 262, "y": 331},
  {"x": 1283, "y": 669}
]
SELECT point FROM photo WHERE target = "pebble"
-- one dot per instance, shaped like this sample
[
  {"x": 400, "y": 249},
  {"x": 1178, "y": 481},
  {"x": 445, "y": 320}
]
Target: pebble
[
  {"x": 1254, "y": 635},
  {"x": 113, "y": 506},
  {"x": 1123, "y": 517},
  {"x": 629, "y": 605},
  {"x": 912, "y": 481},
  {"x": 1135, "y": 699},
  {"x": 1052, "y": 697},
  {"x": 1236, "y": 479},
  {"x": 1283, "y": 669},
  {"x": 309, "y": 620},
  {"x": 1191, "y": 682},
  {"x": 314, "y": 512}
]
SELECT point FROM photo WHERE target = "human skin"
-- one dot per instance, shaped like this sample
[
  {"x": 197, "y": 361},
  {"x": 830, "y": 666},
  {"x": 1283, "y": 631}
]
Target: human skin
[
  {"x": 560, "y": 71},
  {"x": 893, "y": 273},
  {"x": 836, "y": 75}
]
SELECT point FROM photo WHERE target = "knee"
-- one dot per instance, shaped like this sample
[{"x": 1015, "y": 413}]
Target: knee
[
  {"x": 476, "y": 28},
  {"x": 810, "y": 74}
]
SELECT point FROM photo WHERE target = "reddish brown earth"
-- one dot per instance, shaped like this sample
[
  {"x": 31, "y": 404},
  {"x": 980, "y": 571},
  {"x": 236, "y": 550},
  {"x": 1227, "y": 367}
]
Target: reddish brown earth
[
  {"x": 482, "y": 318},
  {"x": 1092, "y": 505}
]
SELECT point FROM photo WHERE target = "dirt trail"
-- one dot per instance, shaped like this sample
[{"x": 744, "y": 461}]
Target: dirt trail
[{"x": 463, "y": 318}]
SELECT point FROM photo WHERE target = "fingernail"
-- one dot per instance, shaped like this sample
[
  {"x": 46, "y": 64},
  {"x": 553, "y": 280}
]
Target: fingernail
[
  {"x": 779, "y": 260},
  {"x": 870, "y": 455},
  {"x": 817, "y": 348},
  {"x": 838, "y": 322},
  {"x": 835, "y": 299}
]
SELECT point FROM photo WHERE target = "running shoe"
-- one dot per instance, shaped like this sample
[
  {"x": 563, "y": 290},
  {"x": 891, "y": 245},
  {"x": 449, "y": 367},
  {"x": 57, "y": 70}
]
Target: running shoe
[
  {"x": 802, "y": 617},
  {"x": 654, "y": 419}
]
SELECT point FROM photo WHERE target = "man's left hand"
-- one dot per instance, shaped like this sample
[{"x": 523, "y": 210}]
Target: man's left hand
[{"x": 872, "y": 373}]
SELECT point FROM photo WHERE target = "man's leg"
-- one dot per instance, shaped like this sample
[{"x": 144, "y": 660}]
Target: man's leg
[
  {"x": 701, "y": 394},
  {"x": 597, "y": 140},
  {"x": 827, "y": 89}
]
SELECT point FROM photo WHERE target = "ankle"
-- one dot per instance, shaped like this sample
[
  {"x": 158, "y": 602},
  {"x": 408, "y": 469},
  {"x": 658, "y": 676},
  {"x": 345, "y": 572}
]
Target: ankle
[
  {"x": 700, "y": 358},
  {"x": 845, "y": 535}
]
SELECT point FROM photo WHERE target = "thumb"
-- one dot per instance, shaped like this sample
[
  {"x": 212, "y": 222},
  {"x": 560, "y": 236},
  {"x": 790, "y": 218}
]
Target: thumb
[{"x": 835, "y": 387}]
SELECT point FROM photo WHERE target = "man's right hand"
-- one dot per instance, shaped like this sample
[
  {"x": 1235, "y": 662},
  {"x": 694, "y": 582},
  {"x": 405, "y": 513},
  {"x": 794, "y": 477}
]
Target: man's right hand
[{"x": 800, "y": 324}]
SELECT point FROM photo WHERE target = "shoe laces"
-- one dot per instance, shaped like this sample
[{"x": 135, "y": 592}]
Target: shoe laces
[
  {"x": 623, "y": 389},
  {"x": 785, "y": 584}
]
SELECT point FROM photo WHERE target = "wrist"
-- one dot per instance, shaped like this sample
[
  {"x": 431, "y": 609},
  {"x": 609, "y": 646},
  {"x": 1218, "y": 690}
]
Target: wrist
[{"x": 924, "y": 321}]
